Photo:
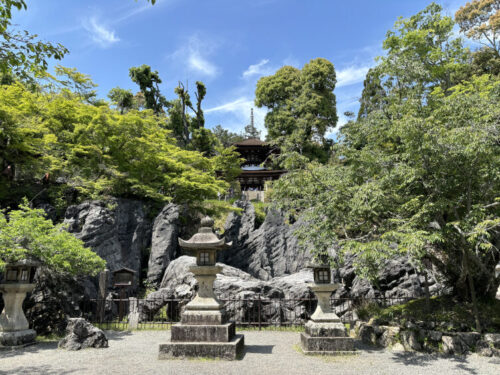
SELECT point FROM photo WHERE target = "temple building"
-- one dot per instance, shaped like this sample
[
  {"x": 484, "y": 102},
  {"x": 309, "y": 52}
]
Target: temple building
[{"x": 256, "y": 169}]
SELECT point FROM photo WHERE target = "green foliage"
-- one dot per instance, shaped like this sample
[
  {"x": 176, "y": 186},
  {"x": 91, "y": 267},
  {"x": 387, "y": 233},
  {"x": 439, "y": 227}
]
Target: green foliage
[
  {"x": 302, "y": 107},
  {"x": 21, "y": 53},
  {"x": 421, "y": 176},
  {"x": 446, "y": 311},
  {"x": 260, "y": 212},
  {"x": 225, "y": 137},
  {"x": 97, "y": 150},
  {"x": 227, "y": 162},
  {"x": 148, "y": 82},
  {"x": 122, "y": 99},
  {"x": 480, "y": 20},
  {"x": 25, "y": 233}
]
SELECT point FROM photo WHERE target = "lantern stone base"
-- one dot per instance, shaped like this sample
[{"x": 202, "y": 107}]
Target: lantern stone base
[
  {"x": 216, "y": 333},
  {"x": 15, "y": 339},
  {"x": 223, "y": 350},
  {"x": 326, "y": 345}
]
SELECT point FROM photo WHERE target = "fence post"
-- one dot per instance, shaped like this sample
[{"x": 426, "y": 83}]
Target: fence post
[
  {"x": 259, "y": 310},
  {"x": 101, "y": 301}
]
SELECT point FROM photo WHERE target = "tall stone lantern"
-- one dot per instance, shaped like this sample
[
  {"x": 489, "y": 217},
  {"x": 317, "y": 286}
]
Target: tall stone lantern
[
  {"x": 204, "y": 330},
  {"x": 324, "y": 332},
  {"x": 17, "y": 281}
]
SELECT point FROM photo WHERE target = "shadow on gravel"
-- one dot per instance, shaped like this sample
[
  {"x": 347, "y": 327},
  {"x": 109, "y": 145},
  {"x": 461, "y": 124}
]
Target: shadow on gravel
[
  {"x": 38, "y": 347},
  {"x": 359, "y": 345},
  {"x": 259, "y": 349},
  {"x": 420, "y": 359},
  {"x": 32, "y": 370}
]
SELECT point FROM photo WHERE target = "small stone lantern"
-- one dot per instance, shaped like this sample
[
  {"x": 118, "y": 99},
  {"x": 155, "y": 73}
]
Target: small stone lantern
[
  {"x": 204, "y": 330},
  {"x": 17, "y": 281},
  {"x": 325, "y": 333},
  {"x": 123, "y": 279}
]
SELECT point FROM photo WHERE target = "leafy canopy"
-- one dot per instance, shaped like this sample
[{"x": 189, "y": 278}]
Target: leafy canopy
[
  {"x": 302, "y": 107},
  {"x": 97, "y": 150},
  {"x": 418, "y": 174},
  {"x": 26, "y": 233}
]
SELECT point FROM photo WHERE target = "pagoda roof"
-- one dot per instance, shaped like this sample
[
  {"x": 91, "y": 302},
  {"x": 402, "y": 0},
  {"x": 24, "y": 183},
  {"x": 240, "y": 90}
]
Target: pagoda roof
[{"x": 251, "y": 142}]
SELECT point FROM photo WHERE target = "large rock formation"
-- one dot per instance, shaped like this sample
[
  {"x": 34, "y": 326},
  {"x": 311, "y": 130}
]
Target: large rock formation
[
  {"x": 239, "y": 290},
  {"x": 163, "y": 242},
  {"x": 118, "y": 231},
  {"x": 269, "y": 251}
]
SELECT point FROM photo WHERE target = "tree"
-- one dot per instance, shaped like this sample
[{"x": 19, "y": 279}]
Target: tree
[
  {"x": 96, "y": 150},
  {"x": 21, "y": 53},
  {"x": 421, "y": 55},
  {"x": 420, "y": 178},
  {"x": 148, "y": 82},
  {"x": 74, "y": 82},
  {"x": 480, "y": 20},
  {"x": 251, "y": 131},
  {"x": 123, "y": 99},
  {"x": 302, "y": 107},
  {"x": 373, "y": 97},
  {"x": 225, "y": 137},
  {"x": 26, "y": 233}
]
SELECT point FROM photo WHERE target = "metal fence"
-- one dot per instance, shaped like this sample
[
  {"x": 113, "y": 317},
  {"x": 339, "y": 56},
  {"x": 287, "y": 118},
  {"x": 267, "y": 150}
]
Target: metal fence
[{"x": 257, "y": 312}]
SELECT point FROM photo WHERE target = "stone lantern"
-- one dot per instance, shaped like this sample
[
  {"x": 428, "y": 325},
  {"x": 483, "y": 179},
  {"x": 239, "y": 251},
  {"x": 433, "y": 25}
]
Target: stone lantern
[
  {"x": 204, "y": 330},
  {"x": 325, "y": 333},
  {"x": 17, "y": 281}
]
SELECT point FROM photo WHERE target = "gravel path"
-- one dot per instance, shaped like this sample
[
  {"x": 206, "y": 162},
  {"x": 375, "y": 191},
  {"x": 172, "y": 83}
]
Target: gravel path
[{"x": 267, "y": 352}]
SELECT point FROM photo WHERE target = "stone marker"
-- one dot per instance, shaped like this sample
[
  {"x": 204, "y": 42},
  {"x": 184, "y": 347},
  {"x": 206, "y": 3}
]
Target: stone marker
[
  {"x": 325, "y": 333},
  {"x": 204, "y": 330}
]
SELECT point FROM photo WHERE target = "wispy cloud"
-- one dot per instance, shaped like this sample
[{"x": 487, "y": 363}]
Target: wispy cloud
[
  {"x": 239, "y": 111},
  {"x": 351, "y": 75},
  {"x": 100, "y": 33},
  {"x": 194, "y": 54},
  {"x": 261, "y": 68}
]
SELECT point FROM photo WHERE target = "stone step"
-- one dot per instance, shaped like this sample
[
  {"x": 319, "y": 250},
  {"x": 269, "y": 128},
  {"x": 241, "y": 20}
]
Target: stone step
[
  {"x": 224, "y": 350},
  {"x": 194, "y": 333},
  {"x": 326, "y": 344}
]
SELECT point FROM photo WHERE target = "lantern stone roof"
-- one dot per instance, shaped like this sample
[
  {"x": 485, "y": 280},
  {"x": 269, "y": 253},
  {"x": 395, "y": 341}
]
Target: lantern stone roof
[
  {"x": 25, "y": 262},
  {"x": 124, "y": 269},
  {"x": 205, "y": 238}
]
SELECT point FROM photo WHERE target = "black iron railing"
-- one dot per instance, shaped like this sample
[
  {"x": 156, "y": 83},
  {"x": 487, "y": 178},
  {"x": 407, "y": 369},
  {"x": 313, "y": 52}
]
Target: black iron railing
[{"x": 257, "y": 311}]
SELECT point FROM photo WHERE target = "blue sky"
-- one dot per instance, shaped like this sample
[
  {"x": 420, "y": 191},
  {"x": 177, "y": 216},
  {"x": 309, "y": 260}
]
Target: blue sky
[{"x": 227, "y": 44}]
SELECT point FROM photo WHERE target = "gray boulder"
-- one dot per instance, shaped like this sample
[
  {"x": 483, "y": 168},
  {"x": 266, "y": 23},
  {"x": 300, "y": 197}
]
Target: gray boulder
[
  {"x": 269, "y": 251},
  {"x": 454, "y": 345},
  {"x": 80, "y": 334},
  {"x": 240, "y": 291},
  {"x": 163, "y": 243},
  {"x": 117, "y": 230}
]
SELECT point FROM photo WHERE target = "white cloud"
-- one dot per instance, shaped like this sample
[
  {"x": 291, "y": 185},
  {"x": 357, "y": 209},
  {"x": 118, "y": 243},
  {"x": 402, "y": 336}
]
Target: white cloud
[
  {"x": 351, "y": 75},
  {"x": 100, "y": 33},
  {"x": 257, "y": 69},
  {"x": 194, "y": 55}
]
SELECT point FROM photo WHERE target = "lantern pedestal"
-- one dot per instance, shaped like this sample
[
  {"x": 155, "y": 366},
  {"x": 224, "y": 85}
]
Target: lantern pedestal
[
  {"x": 14, "y": 327},
  {"x": 204, "y": 330},
  {"x": 325, "y": 333}
]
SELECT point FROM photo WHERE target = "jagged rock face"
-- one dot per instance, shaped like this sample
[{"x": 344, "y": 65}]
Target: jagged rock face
[
  {"x": 164, "y": 243},
  {"x": 238, "y": 289},
  {"x": 269, "y": 251},
  {"x": 55, "y": 298},
  {"x": 397, "y": 279},
  {"x": 118, "y": 231},
  {"x": 80, "y": 334}
]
